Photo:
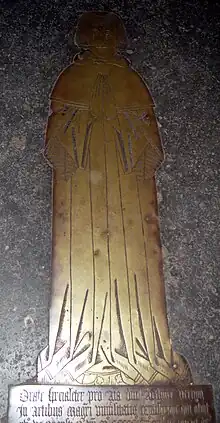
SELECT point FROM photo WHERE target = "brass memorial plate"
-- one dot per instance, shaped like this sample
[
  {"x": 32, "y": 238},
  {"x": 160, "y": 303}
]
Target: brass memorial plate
[{"x": 108, "y": 328}]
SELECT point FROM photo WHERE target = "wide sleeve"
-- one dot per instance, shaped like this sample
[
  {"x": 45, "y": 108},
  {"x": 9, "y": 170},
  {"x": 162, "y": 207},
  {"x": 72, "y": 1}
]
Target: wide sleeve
[
  {"x": 138, "y": 141},
  {"x": 136, "y": 128},
  {"x": 67, "y": 137},
  {"x": 57, "y": 143}
]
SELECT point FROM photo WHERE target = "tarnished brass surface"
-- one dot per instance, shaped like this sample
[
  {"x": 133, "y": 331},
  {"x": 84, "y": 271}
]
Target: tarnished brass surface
[
  {"x": 110, "y": 404},
  {"x": 108, "y": 322}
]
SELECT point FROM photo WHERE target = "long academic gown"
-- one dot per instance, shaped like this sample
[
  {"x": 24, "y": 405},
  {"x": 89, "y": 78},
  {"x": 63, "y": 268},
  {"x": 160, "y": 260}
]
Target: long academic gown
[{"x": 108, "y": 313}]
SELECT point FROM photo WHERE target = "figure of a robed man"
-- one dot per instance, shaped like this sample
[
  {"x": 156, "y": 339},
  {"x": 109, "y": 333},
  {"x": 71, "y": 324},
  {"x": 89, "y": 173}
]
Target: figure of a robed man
[{"x": 108, "y": 321}]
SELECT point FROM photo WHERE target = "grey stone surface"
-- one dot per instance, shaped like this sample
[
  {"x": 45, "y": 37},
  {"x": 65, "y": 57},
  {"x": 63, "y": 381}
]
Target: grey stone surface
[{"x": 174, "y": 44}]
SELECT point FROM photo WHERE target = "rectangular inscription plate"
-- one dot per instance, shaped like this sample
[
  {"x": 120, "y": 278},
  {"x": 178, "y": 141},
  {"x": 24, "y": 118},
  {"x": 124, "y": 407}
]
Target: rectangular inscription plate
[{"x": 110, "y": 404}]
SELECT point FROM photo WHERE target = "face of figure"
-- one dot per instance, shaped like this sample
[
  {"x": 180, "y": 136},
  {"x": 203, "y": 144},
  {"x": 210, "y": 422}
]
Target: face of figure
[
  {"x": 100, "y": 30},
  {"x": 102, "y": 35}
]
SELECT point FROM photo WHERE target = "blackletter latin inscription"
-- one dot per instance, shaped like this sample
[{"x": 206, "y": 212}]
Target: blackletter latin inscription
[{"x": 110, "y": 404}]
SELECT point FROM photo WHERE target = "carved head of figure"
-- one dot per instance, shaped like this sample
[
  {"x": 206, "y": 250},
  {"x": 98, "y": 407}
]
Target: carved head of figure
[{"x": 101, "y": 30}]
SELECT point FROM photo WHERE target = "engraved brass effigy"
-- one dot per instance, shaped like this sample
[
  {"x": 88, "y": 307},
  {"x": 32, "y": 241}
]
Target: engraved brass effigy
[{"x": 108, "y": 322}]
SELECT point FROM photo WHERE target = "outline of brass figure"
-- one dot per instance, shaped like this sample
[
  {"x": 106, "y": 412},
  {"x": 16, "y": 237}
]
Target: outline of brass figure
[{"x": 108, "y": 322}]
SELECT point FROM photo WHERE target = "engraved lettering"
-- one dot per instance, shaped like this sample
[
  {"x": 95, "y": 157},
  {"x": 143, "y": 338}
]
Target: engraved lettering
[
  {"x": 114, "y": 395},
  {"x": 191, "y": 395},
  {"x": 23, "y": 411},
  {"x": 201, "y": 409},
  {"x": 95, "y": 396},
  {"x": 79, "y": 411},
  {"x": 157, "y": 394},
  {"x": 132, "y": 395},
  {"x": 31, "y": 396},
  {"x": 46, "y": 411},
  {"x": 71, "y": 394},
  {"x": 115, "y": 410}
]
